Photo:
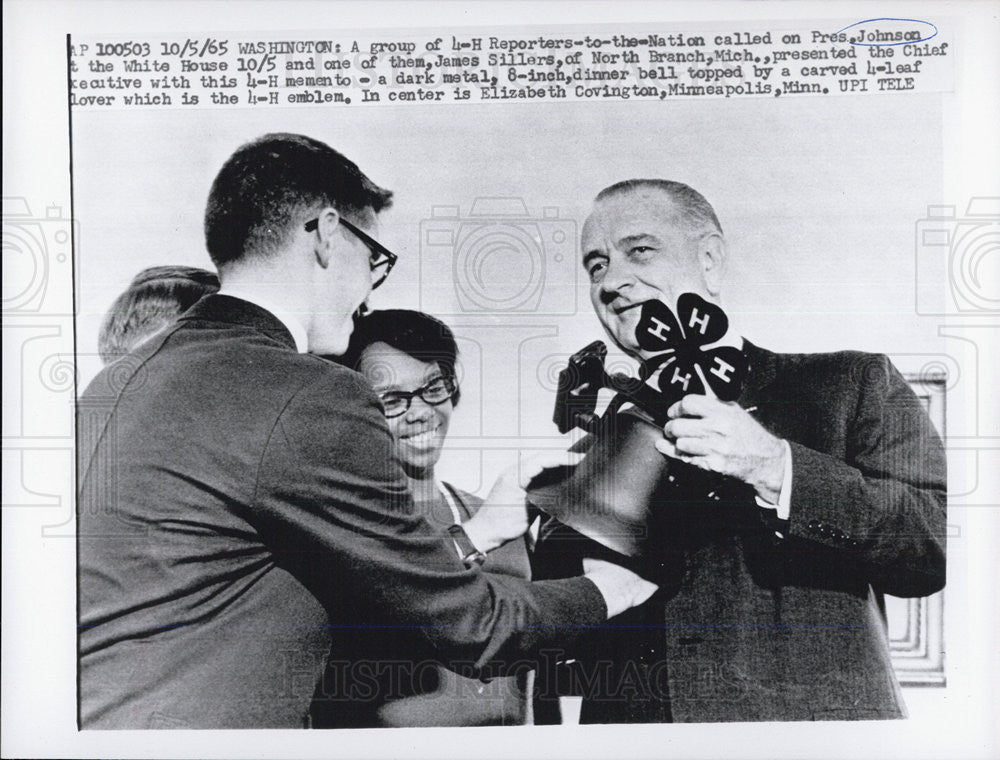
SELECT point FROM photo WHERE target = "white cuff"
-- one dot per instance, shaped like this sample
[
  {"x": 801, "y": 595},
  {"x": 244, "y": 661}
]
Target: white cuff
[{"x": 784, "y": 505}]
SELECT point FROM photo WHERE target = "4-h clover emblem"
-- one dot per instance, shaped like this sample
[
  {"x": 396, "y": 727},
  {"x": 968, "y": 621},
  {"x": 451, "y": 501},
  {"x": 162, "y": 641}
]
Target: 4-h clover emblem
[{"x": 679, "y": 342}]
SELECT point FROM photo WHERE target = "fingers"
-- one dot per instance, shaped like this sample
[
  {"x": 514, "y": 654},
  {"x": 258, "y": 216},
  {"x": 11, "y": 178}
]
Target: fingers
[
  {"x": 717, "y": 436},
  {"x": 532, "y": 466},
  {"x": 692, "y": 450},
  {"x": 666, "y": 447},
  {"x": 621, "y": 588},
  {"x": 692, "y": 447},
  {"x": 692, "y": 405},
  {"x": 686, "y": 427},
  {"x": 698, "y": 451}
]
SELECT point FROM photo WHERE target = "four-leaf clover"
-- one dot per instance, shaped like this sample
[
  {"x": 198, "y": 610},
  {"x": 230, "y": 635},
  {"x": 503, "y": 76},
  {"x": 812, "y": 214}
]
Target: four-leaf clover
[{"x": 678, "y": 345}]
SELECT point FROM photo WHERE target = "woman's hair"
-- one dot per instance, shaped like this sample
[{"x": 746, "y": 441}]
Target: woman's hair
[
  {"x": 415, "y": 333},
  {"x": 155, "y": 298}
]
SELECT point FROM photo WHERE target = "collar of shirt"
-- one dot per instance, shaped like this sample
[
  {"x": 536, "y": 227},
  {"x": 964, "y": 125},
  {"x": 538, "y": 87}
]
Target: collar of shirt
[
  {"x": 450, "y": 501},
  {"x": 289, "y": 320}
]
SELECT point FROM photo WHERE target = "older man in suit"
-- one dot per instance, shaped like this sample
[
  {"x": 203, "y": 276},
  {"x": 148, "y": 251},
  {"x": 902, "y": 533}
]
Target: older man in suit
[
  {"x": 239, "y": 497},
  {"x": 770, "y": 606}
]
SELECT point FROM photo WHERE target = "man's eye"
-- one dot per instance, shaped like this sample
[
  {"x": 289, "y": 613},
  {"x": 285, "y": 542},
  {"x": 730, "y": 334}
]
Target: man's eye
[
  {"x": 639, "y": 249},
  {"x": 596, "y": 269}
]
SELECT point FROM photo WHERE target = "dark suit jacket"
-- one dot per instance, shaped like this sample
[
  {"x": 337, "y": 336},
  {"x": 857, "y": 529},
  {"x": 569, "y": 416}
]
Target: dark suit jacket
[
  {"x": 237, "y": 500},
  {"x": 749, "y": 626}
]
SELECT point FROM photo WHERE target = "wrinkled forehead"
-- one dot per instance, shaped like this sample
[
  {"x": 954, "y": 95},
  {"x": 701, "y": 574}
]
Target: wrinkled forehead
[{"x": 629, "y": 213}]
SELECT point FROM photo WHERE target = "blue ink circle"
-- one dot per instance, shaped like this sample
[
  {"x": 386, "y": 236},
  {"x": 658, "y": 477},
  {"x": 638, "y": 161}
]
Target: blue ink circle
[{"x": 889, "y": 44}]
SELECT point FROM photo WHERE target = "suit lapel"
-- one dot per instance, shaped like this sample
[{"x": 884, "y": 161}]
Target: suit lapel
[
  {"x": 759, "y": 385},
  {"x": 772, "y": 390}
]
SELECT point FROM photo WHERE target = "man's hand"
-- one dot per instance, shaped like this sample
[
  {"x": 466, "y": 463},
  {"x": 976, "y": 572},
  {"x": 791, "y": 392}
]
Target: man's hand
[
  {"x": 720, "y": 436},
  {"x": 622, "y": 589},
  {"x": 504, "y": 515}
]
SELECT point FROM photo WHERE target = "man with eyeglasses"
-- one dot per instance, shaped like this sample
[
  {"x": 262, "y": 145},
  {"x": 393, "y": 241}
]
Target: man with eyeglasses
[{"x": 239, "y": 498}]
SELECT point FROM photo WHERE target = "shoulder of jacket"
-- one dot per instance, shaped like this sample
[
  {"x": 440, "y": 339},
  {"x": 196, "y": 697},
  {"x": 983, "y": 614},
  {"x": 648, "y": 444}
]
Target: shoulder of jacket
[
  {"x": 321, "y": 376},
  {"x": 834, "y": 361}
]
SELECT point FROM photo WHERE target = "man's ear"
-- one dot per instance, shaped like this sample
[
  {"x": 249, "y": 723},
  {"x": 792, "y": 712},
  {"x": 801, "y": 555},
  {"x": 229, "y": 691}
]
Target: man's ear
[
  {"x": 327, "y": 224},
  {"x": 712, "y": 258}
]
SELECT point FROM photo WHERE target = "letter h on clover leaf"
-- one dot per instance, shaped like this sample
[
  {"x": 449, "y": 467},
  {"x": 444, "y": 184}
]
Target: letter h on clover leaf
[{"x": 678, "y": 347}]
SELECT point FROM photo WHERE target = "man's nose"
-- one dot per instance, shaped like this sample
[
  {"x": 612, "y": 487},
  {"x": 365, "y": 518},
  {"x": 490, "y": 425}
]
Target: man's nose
[{"x": 617, "y": 279}]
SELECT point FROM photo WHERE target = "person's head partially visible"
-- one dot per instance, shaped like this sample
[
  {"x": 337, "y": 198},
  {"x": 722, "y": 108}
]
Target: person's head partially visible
[
  {"x": 290, "y": 215},
  {"x": 154, "y": 299},
  {"x": 409, "y": 358},
  {"x": 649, "y": 239}
]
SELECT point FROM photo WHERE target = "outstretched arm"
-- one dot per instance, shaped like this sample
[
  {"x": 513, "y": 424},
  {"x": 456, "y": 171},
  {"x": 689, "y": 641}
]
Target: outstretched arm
[{"x": 332, "y": 500}]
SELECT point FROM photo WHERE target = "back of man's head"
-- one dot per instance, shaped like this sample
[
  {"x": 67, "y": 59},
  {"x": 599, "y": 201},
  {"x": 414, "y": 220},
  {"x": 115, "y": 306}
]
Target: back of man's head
[
  {"x": 693, "y": 211},
  {"x": 154, "y": 299},
  {"x": 269, "y": 183}
]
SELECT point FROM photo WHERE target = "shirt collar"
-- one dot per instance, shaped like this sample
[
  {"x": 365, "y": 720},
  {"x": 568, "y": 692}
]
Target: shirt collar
[{"x": 287, "y": 318}]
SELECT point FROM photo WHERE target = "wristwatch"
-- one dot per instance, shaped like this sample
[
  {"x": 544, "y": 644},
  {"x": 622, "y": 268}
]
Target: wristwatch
[{"x": 470, "y": 554}]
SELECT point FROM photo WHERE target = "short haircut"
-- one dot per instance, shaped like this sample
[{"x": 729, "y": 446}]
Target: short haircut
[
  {"x": 696, "y": 213},
  {"x": 267, "y": 183},
  {"x": 415, "y": 333},
  {"x": 155, "y": 298}
]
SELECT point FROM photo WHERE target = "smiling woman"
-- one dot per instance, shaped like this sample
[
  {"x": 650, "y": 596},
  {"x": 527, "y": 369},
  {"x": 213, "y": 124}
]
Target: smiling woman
[
  {"x": 418, "y": 418},
  {"x": 409, "y": 358}
]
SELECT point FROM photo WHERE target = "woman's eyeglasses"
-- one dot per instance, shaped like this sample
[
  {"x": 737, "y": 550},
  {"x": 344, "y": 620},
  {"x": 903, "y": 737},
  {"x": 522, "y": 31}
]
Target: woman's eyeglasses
[{"x": 435, "y": 393}]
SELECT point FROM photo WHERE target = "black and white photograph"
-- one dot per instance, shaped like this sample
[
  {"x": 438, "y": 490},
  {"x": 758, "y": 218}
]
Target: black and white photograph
[{"x": 377, "y": 370}]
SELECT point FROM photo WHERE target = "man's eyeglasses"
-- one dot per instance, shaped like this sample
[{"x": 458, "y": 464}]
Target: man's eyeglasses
[
  {"x": 435, "y": 393},
  {"x": 381, "y": 259}
]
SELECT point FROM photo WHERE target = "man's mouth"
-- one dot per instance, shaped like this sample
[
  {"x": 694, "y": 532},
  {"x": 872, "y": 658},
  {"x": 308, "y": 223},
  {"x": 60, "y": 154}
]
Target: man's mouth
[{"x": 619, "y": 308}]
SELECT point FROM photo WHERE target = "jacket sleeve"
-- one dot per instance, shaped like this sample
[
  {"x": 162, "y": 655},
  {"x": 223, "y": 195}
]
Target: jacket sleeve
[
  {"x": 883, "y": 509},
  {"x": 332, "y": 503}
]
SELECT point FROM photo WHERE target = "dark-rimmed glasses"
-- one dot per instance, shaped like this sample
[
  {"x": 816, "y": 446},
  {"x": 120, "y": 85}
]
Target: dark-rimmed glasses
[
  {"x": 381, "y": 259},
  {"x": 434, "y": 393}
]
